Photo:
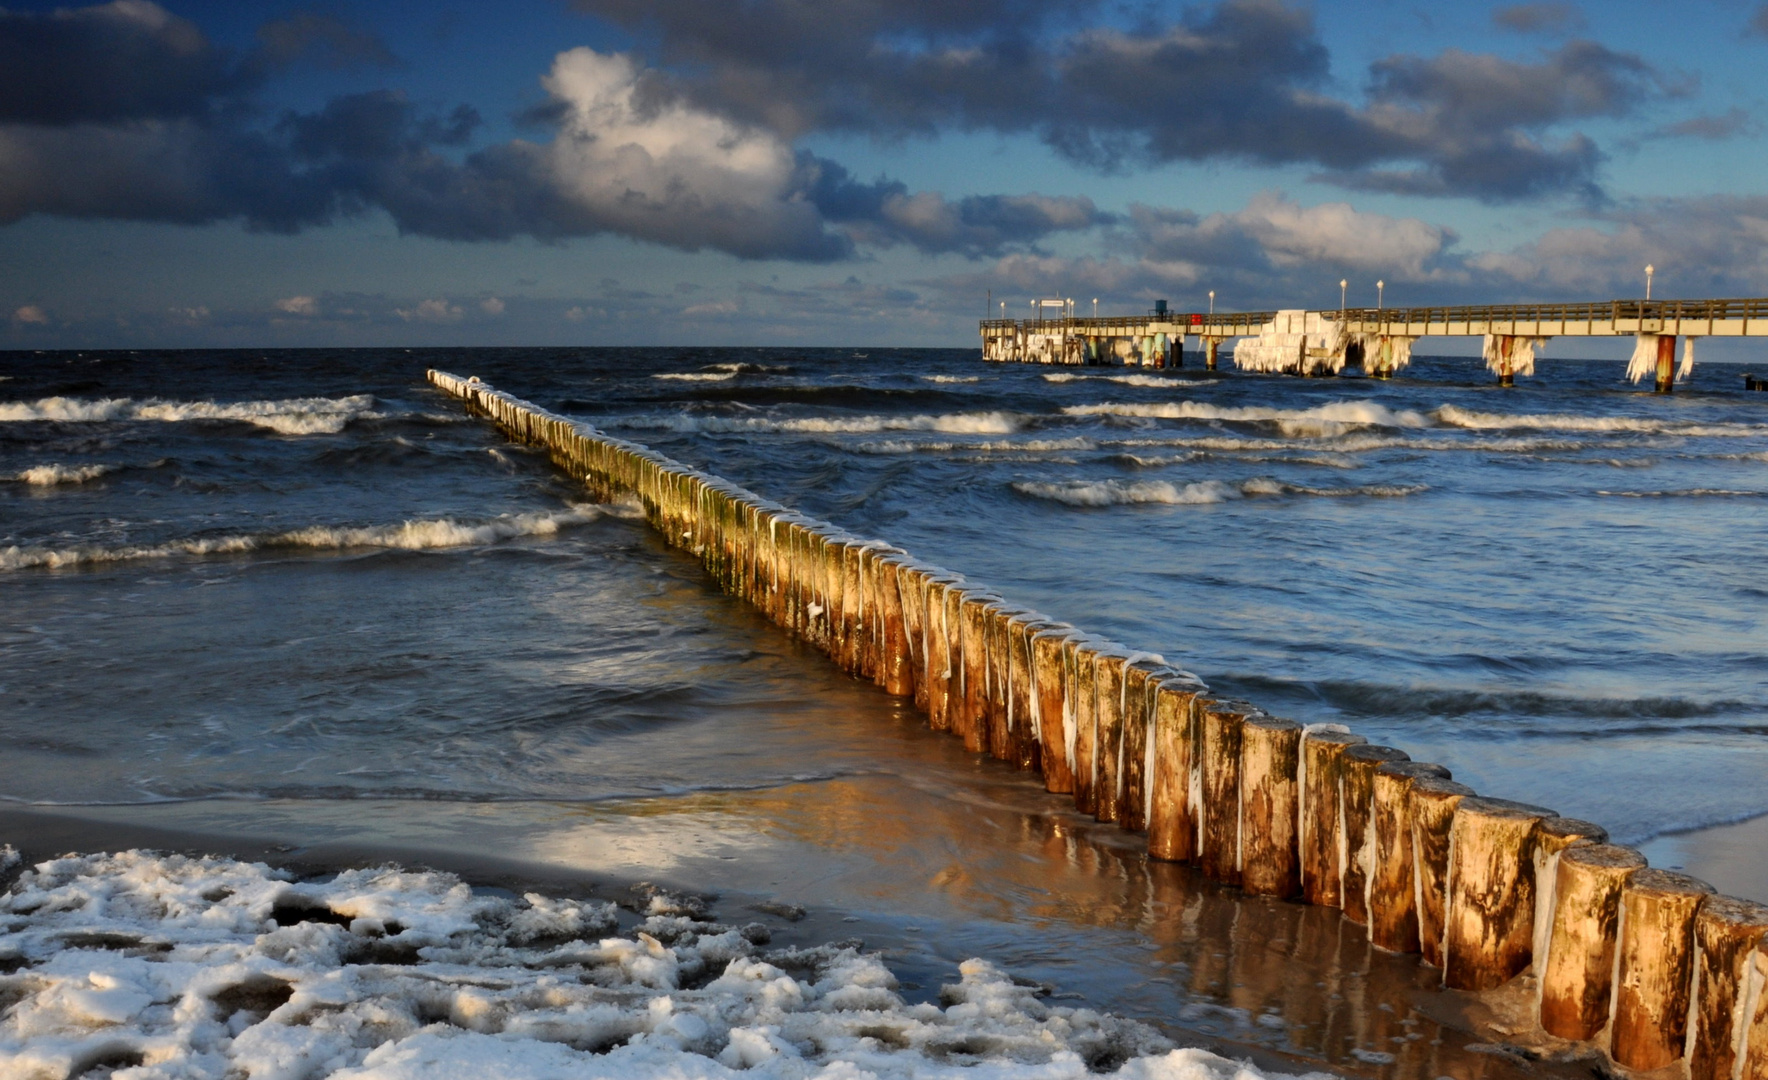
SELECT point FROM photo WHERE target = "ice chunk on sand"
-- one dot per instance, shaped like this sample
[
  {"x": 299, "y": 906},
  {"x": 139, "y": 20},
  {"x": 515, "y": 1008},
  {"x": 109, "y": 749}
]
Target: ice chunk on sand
[{"x": 164, "y": 966}]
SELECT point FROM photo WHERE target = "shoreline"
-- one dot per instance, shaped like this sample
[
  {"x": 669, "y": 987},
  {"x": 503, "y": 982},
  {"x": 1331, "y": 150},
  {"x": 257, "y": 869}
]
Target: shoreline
[{"x": 1339, "y": 1005}]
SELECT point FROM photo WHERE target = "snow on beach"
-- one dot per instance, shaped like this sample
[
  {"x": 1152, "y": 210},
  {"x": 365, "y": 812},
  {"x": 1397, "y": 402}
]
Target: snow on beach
[{"x": 163, "y": 966}]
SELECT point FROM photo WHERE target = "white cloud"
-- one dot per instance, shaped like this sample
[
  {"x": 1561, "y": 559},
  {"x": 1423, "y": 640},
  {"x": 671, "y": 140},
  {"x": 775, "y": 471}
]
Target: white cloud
[
  {"x": 719, "y": 307},
  {"x": 298, "y": 305},
  {"x": 31, "y": 314},
  {"x": 431, "y": 311},
  {"x": 491, "y": 305},
  {"x": 635, "y": 161}
]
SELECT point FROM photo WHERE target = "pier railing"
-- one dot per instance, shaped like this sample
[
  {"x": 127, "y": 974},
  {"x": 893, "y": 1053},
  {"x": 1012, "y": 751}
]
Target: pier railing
[{"x": 1645, "y": 966}]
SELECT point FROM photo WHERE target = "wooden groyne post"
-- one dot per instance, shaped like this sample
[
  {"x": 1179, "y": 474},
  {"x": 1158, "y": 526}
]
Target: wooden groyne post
[{"x": 1649, "y": 967}]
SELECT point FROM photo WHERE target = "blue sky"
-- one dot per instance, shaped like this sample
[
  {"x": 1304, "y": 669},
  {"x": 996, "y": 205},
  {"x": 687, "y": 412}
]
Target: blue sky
[{"x": 851, "y": 171}]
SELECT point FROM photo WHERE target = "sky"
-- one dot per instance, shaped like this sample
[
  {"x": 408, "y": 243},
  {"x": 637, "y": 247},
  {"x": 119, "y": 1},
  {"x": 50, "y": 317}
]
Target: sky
[{"x": 853, "y": 172}]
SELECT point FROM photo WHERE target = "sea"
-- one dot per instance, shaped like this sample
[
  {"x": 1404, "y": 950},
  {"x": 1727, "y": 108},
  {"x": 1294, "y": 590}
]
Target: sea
[{"x": 300, "y": 595}]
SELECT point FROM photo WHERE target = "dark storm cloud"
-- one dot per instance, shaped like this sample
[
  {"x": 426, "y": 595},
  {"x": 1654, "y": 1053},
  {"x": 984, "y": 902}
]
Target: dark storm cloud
[
  {"x": 126, "y": 60},
  {"x": 1244, "y": 80},
  {"x": 628, "y": 153},
  {"x": 323, "y": 40},
  {"x": 885, "y": 213}
]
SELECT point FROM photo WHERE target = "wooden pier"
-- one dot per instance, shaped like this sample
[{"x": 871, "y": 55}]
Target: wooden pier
[
  {"x": 1379, "y": 340},
  {"x": 1607, "y": 957}
]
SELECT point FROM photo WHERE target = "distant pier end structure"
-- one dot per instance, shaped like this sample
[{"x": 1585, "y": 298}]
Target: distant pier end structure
[{"x": 1378, "y": 340}]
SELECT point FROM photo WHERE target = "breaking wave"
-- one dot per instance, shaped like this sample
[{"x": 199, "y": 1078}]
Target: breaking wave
[
  {"x": 293, "y": 416},
  {"x": 1455, "y": 416},
  {"x": 1335, "y": 418},
  {"x": 980, "y": 423},
  {"x": 697, "y": 376},
  {"x": 418, "y": 535},
  {"x": 1687, "y": 493},
  {"x": 751, "y": 369},
  {"x": 1196, "y": 493},
  {"x": 917, "y": 446},
  {"x": 951, "y": 378},
  {"x": 1130, "y": 380},
  {"x": 50, "y": 475}
]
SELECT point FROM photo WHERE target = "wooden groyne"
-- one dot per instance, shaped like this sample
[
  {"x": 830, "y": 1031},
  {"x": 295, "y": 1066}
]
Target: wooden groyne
[{"x": 1650, "y": 969}]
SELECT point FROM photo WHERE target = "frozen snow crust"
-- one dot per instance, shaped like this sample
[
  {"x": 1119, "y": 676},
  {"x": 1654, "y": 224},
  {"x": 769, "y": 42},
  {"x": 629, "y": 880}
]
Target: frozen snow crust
[{"x": 163, "y": 966}]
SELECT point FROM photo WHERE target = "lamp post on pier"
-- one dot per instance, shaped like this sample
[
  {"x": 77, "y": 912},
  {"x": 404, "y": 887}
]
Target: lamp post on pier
[
  {"x": 1379, "y": 286},
  {"x": 1343, "y": 284},
  {"x": 1212, "y": 302},
  {"x": 1648, "y": 273}
]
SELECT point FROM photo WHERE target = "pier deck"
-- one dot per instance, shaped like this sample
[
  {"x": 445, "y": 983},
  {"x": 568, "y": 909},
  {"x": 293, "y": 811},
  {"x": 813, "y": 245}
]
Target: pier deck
[{"x": 1307, "y": 342}]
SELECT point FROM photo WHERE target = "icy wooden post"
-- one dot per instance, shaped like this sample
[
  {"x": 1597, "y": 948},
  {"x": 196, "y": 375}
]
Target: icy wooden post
[
  {"x": 1393, "y": 904},
  {"x": 1219, "y": 750},
  {"x": 1000, "y": 627},
  {"x": 1577, "y": 970},
  {"x": 1108, "y": 742},
  {"x": 897, "y": 668},
  {"x": 911, "y": 593},
  {"x": 1358, "y": 765},
  {"x": 1490, "y": 915},
  {"x": 1141, "y": 678},
  {"x": 1322, "y": 842},
  {"x": 1082, "y": 658},
  {"x": 1755, "y": 1047},
  {"x": 972, "y": 719},
  {"x": 942, "y": 676},
  {"x": 1052, "y": 706},
  {"x": 1649, "y": 1026},
  {"x": 1172, "y": 815},
  {"x": 841, "y": 603},
  {"x": 956, "y": 705},
  {"x": 1726, "y": 933},
  {"x": 1270, "y": 758},
  {"x": 1209, "y": 353},
  {"x": 871, "y": 600},
  {"x": 1554, "y": 836},
  {"x": 1432, "y": 804},
  {"x": 1666, "y": 368}
]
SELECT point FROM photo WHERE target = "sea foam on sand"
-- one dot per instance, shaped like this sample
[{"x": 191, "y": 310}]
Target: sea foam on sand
[{"x": 163, "y": 966}]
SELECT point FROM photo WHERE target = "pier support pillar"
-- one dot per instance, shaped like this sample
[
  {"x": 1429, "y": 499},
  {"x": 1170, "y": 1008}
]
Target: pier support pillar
[
  {"x": 1666, "y": 363},
  {"x": 1209, "y": 353},
  {"x": 1506, "y": 374}
]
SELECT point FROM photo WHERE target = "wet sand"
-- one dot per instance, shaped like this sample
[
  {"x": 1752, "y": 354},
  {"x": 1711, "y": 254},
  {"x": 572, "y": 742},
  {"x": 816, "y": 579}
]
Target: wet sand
[
  {"x": 1060, "y": 900},
  {"x": 1733, "y": 858}
]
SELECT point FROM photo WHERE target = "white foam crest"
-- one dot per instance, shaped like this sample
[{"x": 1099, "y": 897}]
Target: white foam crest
[
  {"x": 1687, "y": 493},
  {"x": 1130, "y": 380},
  {"x": 951, "y": 378},
  {"x": 978, "y": 423},
  {"x": 1334, "y": 418},
  {"x": 1122, "y": 493},
  {"x": 528, "y": 988},
  {"x": 1196, "y": 493},
  {"x": 415, "y": 535},
  {"x": 1456, "y": 416},
  {"x": 697, "y": 376},
  {"x": 52, "y": 474},
  {"x": 292, "y": 416}
]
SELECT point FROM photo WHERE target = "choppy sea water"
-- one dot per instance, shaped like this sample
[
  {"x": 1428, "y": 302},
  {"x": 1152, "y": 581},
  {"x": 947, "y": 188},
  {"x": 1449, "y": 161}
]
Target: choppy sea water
[{"x": 304, "y": 582}]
